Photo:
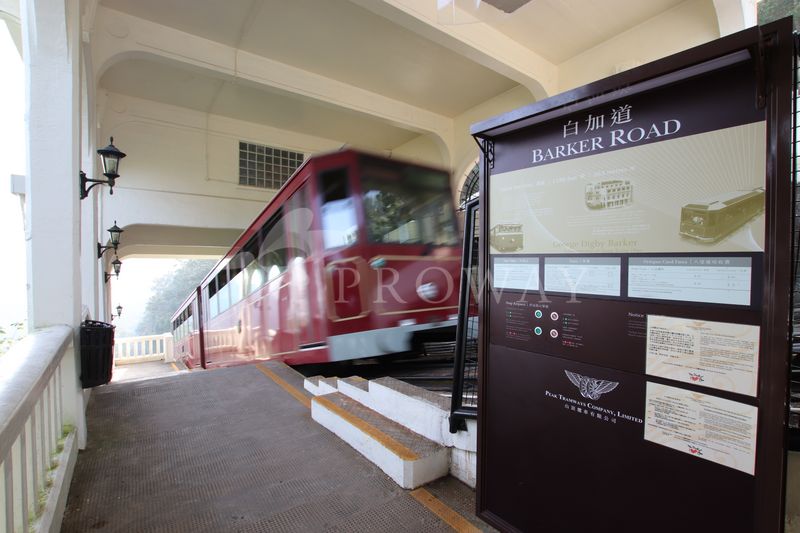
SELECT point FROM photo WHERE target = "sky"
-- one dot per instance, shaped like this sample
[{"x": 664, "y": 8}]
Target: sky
[
  {"x": 133, "y": 289},
  {"x": 13, "y": 300}
]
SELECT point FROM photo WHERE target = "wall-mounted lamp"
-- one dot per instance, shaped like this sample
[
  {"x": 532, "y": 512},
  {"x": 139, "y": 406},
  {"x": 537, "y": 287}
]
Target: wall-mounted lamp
[
  {"x": 110, "y": 157},
  {"x": 116, "y": 265},
  {"x": 115, "y": 232},
  {"x": 119, "y": 313}
]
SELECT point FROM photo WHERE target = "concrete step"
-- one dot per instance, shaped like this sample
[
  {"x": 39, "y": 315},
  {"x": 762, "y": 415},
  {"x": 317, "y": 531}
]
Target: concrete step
[
  {"x": 428, "y": 414},
  {"x": 408, "y": 458},
  {"x": 311, "y": 384},
  {"x": 317, "y": 385},
  {"x": 357, "y": 388}
]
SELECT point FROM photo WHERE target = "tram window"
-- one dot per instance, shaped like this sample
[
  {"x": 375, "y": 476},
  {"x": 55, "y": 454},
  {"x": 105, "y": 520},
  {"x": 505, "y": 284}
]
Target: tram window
[
  {"x": 339, "y": 226},
  {"x": 408, "y": 206},
  {"x": 272, "y": 256},
  {"x": 236, "y": 282},
  {"x": 298, "y": 220},
  {"x": 213, "y": 305},
  {"x": 254, "y": 277},
  {"x": 223, "y": 292},
  {"x": 253, "y": 274}
]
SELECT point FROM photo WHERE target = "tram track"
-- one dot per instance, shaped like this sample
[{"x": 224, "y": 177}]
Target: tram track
[{"x": 430, "y": 367}]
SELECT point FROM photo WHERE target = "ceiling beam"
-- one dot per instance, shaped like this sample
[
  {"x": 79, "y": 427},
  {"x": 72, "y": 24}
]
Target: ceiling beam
[
  {"x": 120, "y": 36},
  {"x": 477, "y": 41}
]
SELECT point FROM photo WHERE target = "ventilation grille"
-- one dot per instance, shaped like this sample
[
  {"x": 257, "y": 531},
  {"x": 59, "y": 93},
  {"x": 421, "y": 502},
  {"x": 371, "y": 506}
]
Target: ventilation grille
[{"x": 265, "y": 166}]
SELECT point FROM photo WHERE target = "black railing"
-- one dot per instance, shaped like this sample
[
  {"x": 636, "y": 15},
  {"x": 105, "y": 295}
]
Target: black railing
[
  {"x": 465, "y": 368},
  {"x": 794, "y": 402}
]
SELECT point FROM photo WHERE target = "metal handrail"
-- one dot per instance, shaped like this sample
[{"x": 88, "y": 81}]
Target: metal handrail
[{"x": 458, "y": 411}]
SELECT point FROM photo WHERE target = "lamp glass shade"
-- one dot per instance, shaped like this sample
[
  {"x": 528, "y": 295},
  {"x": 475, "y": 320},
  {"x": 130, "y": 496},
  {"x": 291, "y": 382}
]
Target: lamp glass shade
[
  {"x": 117, "y": 264},
  {"x": 110, "y": 157},
  {"x": 119, "y": 310},
  {"x": 115, "y": 232},
  {"x": 110, "y": 164}
]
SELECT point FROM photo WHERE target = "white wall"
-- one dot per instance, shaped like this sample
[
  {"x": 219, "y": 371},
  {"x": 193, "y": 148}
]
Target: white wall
[{"x": 182, "y": 166}]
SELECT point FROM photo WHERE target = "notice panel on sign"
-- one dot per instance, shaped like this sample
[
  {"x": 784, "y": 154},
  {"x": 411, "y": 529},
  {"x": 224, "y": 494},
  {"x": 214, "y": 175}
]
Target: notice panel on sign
[
  {"x": 722, "y": 280},
  {"x": 583, "y": 275},
  {"x": 702, "y": 425},
  {"x": 713, "y": 354},
  {"x": 521, "y": 273}
]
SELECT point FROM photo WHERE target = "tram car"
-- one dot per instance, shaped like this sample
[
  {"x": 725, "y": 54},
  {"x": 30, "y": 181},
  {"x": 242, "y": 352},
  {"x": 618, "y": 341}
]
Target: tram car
[
  {"x": 356, "y": 256},
  {"x": 608, "y": 194},
  {"x": 185, "y": 332},
  {"x": 711, "y": 220},
  {"x": 506, "y": 237}
]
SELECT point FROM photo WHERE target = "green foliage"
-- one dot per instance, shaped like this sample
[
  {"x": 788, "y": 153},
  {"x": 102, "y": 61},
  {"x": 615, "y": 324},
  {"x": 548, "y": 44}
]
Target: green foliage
[
  {"x": 772, "y": 10},
  {"x": 169, "y": 291},
  {"x": 11, "y": 334}
]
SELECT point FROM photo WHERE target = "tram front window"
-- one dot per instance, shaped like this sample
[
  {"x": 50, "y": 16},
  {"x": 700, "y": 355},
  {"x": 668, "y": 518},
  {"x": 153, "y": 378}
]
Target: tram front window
[{"x": 408, "y": 206}]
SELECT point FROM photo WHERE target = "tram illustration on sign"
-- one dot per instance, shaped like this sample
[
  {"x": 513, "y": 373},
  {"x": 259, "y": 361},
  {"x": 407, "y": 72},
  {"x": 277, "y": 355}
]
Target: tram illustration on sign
[
  {"x": 609, "y": 194},
  {"x": 506, "y": 237},
  {"x": 710, "y": 220}
]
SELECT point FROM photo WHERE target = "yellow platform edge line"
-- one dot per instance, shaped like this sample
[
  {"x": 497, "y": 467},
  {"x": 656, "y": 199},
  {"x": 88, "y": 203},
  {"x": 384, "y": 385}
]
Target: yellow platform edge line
[
  {"x": 436, "y": 506},
  {"x": 443, "y": 511},
  {"x": 391, "y": 444},
  {"x": 299, "y": 396}
]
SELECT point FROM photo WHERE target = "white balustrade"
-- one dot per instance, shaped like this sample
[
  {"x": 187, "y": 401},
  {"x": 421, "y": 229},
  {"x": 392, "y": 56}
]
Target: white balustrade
[
  {"x": 34, "y": 387},
  {"x": 142, "y": 349}
]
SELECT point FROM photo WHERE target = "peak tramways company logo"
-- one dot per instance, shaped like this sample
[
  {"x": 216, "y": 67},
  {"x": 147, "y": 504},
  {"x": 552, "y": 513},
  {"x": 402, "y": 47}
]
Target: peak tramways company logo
[{"x": 591, "y": 388}]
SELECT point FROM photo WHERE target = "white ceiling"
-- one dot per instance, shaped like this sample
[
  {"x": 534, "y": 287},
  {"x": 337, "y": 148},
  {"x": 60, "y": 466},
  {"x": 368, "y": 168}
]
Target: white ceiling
[
  {"x": 343, "y": 41},
  {"x": 173, "y": 84},
  {"x": 561, "y": 29},
  {"x": 335, "y": 39}
]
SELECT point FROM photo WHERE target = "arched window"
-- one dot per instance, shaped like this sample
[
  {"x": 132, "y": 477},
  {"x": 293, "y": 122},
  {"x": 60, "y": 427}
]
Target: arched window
[{"x": 470, "y": 187}]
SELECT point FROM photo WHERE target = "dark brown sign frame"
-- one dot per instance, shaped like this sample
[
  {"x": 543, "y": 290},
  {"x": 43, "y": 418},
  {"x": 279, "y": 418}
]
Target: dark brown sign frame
[{"x": 512, "y": 480}]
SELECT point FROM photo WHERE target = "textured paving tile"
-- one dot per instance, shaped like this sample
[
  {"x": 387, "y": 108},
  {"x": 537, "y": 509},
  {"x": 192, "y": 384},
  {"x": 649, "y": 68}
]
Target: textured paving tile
[
  {"x": 460, "y": 498},
  {"x": 225, "y": 450}
]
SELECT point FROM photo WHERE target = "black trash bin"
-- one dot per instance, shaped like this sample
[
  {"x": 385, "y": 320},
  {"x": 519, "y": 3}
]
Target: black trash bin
[{"x": 97, "y": 353}]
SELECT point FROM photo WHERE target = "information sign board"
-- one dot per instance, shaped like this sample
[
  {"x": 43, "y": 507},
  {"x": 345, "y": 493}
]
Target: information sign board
[{"x": 635, "y": 239}]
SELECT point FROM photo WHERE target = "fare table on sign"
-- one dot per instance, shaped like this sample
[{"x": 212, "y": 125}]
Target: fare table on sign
[
  {"x": 691, "y": 279},
  {"x": 583, "y": 275}
]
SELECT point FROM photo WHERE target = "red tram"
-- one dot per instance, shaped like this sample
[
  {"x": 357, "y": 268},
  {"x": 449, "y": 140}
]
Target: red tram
[{"x": 356, "y": 256}]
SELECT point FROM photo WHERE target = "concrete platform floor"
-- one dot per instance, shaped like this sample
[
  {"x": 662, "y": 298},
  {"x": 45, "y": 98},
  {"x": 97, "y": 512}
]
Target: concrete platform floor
[
  {"x": 236, "y": 450},
  {"x": 149, "y": 370}
]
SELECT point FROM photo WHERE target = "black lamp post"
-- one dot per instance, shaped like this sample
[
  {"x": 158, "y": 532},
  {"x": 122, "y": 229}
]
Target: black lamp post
[
  {"x": 115, "y": 232},
  {"x": 116, "y": 265},
  {"x": 110, "y": 157},
  {"x": 119, "y": 313}
]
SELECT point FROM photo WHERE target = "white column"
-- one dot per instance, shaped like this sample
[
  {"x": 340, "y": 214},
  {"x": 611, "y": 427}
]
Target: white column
[
  {"x": 735, "y": 15},
  {"x": 52, "y": 68}
]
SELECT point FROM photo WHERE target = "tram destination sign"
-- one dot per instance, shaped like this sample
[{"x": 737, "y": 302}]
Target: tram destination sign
[{"x": 633, "y": 371}]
